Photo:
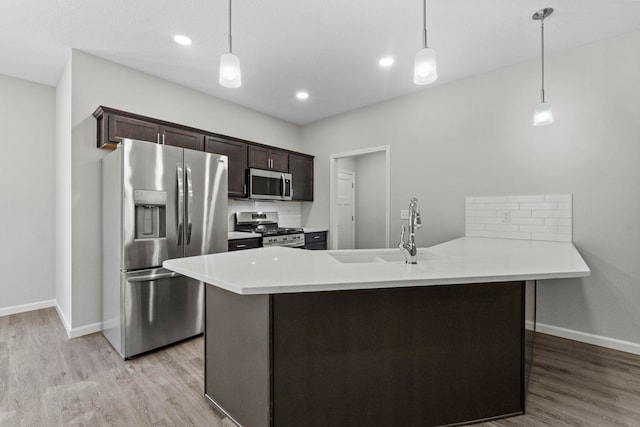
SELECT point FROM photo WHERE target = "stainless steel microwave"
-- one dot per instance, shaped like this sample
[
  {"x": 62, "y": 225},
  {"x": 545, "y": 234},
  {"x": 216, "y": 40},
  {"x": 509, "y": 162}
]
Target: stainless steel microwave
[{"x": 270, "y": 185}]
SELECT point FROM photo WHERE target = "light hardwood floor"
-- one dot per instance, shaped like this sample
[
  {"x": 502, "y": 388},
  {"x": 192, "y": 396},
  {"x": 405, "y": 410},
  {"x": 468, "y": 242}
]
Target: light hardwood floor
[{"x": 47, "y": 380}]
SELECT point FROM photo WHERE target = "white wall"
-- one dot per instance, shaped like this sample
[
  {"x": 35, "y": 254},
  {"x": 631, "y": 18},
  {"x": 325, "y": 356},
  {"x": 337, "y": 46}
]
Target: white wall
[
  {"x": 99, "y": 82},
  {"x": 63, "y": 195},
  {"x": 27, "y": 132},
  {"x": 370, "y": 200},
  {"x": 474, "y": 137}
]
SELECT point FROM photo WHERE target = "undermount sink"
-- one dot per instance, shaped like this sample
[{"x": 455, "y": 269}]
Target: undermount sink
[{"x": 373, "y": 256}]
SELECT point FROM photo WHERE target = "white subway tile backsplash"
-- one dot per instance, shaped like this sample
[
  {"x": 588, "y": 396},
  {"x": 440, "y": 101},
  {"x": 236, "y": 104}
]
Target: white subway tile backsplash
[
  {"x": 289, "y": 213},
  {"x": 519, "y": 213},
  {"x": 539, "y": 228},
  {"x": 557, "y": 221},
  {"x": 527, "y": 221},
  {"x": 529, "y": 217},
  {"x": 564, "y": 229},
  {"x": 513, "y": 235},
  {"x": 488, "y": 220},
  {"x": 539, "y": 206},
  {"x": 481, "y": 234},
  {"x": 477, "y": 213},
  {"x": 501, "y": 227}
]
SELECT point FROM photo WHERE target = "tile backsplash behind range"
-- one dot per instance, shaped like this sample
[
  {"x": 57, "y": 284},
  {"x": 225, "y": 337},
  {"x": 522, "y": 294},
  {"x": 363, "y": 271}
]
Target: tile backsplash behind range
[
  {"x": 532, "y": 217},
  {"x": 289, "y": 213}
]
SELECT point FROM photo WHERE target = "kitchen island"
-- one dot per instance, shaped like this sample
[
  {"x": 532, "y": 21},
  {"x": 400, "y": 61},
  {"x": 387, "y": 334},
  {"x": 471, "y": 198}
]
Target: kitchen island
[{"x": 296, "y": 337}]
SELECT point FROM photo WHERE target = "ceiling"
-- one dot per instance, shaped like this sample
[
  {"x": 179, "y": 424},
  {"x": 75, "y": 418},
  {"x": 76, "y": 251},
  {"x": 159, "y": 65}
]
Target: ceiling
[{"x": 329, "y": 48}]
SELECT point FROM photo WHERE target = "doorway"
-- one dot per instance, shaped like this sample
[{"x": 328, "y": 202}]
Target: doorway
[
  {"x": 346, "y": 207},
  {"x": 359, "y": 209}
]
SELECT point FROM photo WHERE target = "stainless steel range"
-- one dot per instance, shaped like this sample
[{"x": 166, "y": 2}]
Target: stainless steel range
[{"x": 266, "y": 223}]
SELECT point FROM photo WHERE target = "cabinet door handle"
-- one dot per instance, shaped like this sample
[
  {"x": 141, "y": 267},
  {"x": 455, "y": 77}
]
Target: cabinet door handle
[
  {"x": 163, "y": 139},
  {"x": 158, "y": 138},
  {"x": 241, "y": 246},
  {"x": 316, "y": 237}
]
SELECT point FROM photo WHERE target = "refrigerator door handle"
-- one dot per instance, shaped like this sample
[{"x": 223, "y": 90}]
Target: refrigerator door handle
[
  {"x": 152, "y": 277},
  {"x": 189, "y": 205},
  {"x": 180, "y": 176}
]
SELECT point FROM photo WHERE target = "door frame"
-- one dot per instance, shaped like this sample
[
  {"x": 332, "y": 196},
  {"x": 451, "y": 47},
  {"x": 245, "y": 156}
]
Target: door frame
[{"x": 333, "y": 161}]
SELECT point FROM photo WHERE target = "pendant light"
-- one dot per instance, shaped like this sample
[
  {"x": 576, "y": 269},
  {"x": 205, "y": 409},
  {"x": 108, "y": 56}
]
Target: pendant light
[
  {"x": 230, "y": 75},
  {"x": 542, "y": 114},
  {"x": 425, "y": 70}
]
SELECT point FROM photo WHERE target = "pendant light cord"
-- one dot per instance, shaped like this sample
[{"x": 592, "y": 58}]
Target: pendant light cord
[
  {"x": 542, "y": 50},
  {"x": 424, "y": 23},
  {"x": 230, "y": 43}
]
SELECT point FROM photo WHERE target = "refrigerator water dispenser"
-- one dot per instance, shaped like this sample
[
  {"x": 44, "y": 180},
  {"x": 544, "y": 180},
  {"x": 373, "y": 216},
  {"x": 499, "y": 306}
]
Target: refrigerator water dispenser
[{"x": 151, "y": 208}]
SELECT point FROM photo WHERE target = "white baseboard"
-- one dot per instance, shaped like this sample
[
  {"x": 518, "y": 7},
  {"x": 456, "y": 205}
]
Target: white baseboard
[
  {"x": 27, "y": 307},
  {"x": 612, "y": 343},
  {"x": 65, "y": 322},
  {"x": 85, "y": 330},
  {"x": 77, "y": 332}
]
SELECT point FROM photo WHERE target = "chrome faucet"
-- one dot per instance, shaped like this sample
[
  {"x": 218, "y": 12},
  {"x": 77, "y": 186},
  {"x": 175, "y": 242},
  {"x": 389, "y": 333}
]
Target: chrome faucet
[{"x": 408, "y": 248}]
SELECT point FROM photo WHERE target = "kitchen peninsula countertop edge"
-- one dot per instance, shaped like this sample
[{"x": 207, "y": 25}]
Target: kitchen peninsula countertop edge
[{"x": 466, "y": 260}]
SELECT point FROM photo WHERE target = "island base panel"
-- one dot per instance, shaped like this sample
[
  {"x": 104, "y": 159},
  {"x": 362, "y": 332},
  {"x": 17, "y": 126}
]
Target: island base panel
[
  {"x": 237, "y": 355},
  {"x": 428, "y": 356}
]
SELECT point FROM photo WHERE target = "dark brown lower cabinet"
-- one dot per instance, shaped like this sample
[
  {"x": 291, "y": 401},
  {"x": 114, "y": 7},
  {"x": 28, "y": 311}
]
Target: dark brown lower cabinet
[
  {"x": 427, "y": 356},
  {"x": 241, "y": 244},
  {"x": 316, "y": 240}
]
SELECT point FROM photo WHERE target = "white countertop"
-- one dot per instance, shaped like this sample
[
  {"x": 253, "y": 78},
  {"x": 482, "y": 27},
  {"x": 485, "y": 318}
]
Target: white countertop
[
  {"x": 234, "y": 235},
  {"x": 314, "y": 229},
  {"x": 274, "y": 270}
]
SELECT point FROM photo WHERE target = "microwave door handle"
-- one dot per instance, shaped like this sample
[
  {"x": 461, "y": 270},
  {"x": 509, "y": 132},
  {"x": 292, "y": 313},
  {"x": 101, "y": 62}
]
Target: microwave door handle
[
  {"x": 291, "y": 188},
  {"x": 189, "y": 205},
  {"x": 180, "y": 178},
  {"x": 284, "y": 186}
]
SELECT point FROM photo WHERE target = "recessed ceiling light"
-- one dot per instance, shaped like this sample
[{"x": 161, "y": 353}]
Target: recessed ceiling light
[
  {"x": 386, "y": 61},
  {"x": 302, "y": 95},
  {"x": 183, "y": 40}
]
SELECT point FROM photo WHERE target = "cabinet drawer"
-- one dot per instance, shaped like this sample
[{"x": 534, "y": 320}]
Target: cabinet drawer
[
  {"x": 315, "y": 241},
  {"x": 240, "y": 244}
]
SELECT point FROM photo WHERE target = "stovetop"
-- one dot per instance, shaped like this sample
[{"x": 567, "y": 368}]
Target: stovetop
[
  {"x": 265, "y": 223},
  {"x": 270, "y": 231}
]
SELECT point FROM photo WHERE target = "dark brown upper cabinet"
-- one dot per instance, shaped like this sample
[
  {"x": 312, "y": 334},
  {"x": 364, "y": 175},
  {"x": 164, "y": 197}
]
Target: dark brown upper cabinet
[
  {"x": 236, "y": 151},
  {"x": 267, "y": 158},
  {"x": 120, "y": 127},
  {"x": 115, "y": 125},
  {"x": 301, "y": 170},
  {"x": 181, "y": 138}
]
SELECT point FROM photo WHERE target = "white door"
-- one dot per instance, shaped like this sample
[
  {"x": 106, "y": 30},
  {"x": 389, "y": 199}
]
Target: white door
[{"x": 345, "y": 207}]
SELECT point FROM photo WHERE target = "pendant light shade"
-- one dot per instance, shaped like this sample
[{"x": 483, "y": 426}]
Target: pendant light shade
[
  {"x": 542, "y": 114},
  {"x": 230, "y": 75},
  {"x": 425, "y": 69}
]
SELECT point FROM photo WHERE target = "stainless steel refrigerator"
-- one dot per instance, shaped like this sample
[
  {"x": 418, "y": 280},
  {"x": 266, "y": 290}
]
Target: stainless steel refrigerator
[{"x": 158, "y": 202}]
